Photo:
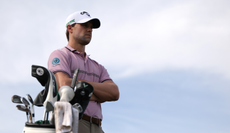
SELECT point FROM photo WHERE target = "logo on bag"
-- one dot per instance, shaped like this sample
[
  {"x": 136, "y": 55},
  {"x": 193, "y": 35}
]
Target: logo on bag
[
  {"x": 39, "y": 71},
  {"x": 55, "y": 61},
  {"x": 85, "y": 85}
]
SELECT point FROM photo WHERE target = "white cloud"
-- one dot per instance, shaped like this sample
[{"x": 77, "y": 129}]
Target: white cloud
[
  {"x": 181, "y": 36},
  {"x": 139, "y": 37}
]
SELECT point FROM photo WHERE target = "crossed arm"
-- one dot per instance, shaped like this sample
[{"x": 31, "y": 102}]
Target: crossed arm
[{"x": 106, "y": 91}]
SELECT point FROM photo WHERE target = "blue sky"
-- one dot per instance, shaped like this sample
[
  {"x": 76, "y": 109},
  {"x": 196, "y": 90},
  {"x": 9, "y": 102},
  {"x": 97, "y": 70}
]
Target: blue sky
[
  {"x": 170, "y": 60},
  {"x": 171, "y": 102}
]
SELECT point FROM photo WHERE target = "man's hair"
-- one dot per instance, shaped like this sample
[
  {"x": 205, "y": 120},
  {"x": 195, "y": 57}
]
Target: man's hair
[{"x": 67, "y": 32}]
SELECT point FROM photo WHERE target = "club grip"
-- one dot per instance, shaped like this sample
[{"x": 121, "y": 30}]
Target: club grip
[{"x": 74, "y": 80}]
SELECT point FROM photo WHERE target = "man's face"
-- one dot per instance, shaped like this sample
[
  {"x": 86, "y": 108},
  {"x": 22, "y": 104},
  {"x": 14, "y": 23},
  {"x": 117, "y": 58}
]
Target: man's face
[{"x": 82, "y": 33}]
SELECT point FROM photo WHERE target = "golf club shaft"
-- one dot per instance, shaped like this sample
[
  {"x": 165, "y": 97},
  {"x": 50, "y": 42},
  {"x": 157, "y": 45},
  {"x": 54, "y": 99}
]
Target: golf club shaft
[
  {"x": 30, "y": 118},
  {"x": 74, "y": 80},
  {"x": 31, "y": 107},
  {"x": 44, "y": 117},
  {"x": 47, "y": 116},
  {"x": 32, "y": 113},
  {"x": 27, "y": 116}
]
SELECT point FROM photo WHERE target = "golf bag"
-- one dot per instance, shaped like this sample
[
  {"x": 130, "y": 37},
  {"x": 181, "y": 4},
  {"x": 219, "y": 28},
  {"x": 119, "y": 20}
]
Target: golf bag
[{"x": 83, "y": 91}]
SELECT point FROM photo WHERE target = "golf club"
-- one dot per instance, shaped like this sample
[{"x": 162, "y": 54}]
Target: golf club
[
  {"x": 32, "y": 107},
  {"x": 48, "y": 107},
  {"x": 25, "y": 109},
  {"x": 74, "y": 80},
  {"x": 27, "y": 104},
  {"x": 17, "y": 99}
]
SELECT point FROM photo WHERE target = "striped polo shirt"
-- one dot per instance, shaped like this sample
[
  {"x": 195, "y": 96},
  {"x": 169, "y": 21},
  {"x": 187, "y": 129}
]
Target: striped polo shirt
[{"x": 67, "y": 60}]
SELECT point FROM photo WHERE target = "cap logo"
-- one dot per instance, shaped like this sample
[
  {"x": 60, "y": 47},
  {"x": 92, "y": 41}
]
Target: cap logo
[{"x": 84, "y": 12}]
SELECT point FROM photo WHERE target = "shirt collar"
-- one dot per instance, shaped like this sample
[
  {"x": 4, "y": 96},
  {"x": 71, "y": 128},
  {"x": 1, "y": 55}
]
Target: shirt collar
[
  {"x": 68, "y": 47},
  {"x": 73, "y": 50}
]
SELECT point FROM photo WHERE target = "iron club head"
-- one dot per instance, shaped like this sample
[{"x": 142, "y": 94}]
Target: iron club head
[
  {"x": 16, "y": 99},
  {"x": 30, "y": 98},
  {"x": 25, "y": 102},
  {"x": 25, "y": 109}
]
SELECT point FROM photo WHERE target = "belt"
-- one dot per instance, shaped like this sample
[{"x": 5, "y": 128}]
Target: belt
[{"x": 92, "y": 119}]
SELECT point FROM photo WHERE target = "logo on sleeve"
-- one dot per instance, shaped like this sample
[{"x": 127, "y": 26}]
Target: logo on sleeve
[{"x": 55, "y": 61}]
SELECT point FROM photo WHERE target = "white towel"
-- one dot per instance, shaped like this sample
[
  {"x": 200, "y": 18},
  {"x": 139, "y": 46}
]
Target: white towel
[{"x": 66, "y": 118}]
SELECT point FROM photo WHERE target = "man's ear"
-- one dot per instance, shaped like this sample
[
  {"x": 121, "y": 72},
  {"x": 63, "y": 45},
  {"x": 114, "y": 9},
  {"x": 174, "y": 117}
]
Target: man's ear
[{"x": 69, "y": 28}]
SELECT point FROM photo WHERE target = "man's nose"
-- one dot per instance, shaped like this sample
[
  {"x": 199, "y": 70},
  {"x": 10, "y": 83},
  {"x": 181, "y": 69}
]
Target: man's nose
[{"x": 89, "y": 28}]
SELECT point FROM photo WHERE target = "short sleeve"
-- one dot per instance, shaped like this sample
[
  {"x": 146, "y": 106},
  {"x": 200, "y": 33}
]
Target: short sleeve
[
  {"x": 59, "y": 62},
  {"x": 104, "y": 74}
]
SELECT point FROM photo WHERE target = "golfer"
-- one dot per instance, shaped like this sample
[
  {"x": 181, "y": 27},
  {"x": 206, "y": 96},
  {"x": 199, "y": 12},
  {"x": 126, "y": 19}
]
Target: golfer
[{"x": 64, "y": 61}]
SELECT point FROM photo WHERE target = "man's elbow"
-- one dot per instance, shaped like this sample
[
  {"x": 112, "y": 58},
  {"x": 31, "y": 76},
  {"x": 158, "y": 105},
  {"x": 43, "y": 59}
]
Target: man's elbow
[
  {"x": 116, "y": 94},
  {"x": 117, "y": 97}
]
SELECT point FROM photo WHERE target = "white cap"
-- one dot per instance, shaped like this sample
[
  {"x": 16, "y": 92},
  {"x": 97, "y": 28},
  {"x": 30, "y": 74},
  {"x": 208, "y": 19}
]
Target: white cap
[{"x": 82, "y": 17}]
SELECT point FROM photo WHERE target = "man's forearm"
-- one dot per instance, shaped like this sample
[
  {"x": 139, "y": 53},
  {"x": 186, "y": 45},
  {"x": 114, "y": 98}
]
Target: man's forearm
[
  {"x": 96, "y": 99},
  {"x": 107, "y": 91}
]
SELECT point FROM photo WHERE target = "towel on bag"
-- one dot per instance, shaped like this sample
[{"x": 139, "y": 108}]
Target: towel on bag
[{"x": 66, "y": 118}]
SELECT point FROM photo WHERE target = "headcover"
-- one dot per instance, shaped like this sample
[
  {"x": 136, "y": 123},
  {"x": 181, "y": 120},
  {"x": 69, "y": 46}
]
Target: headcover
[
  {"x": 47, "y": 79},
  {"x": 83, "y": 92}
]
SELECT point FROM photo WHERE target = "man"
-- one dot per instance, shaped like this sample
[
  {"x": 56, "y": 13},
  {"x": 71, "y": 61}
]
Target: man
[{"x": 63, "y": 62}]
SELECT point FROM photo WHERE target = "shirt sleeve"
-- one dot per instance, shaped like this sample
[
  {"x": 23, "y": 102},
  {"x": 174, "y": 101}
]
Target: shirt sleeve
[
  {"x": 104, "y": 75},
  {"x": 59, "y": 62}
]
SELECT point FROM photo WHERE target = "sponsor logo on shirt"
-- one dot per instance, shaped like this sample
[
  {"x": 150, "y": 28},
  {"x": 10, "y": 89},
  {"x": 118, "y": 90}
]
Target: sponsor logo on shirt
[{"x": 55, "y": 61}]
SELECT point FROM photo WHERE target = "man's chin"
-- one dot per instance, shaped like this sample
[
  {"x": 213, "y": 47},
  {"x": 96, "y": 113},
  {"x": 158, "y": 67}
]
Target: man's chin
[{"x": 85, "y": 43}]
